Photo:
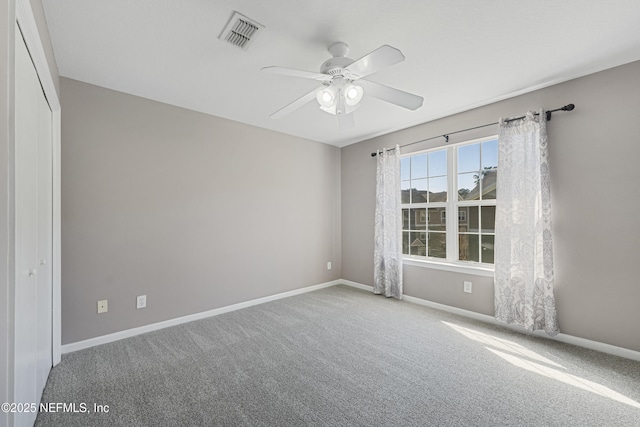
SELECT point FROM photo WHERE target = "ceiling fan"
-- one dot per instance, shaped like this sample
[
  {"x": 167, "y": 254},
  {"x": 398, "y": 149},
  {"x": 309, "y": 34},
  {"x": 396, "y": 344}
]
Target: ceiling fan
[{"x": 343, "y": 83}]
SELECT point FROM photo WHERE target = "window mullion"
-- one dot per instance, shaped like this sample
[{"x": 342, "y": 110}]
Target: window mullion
[{"x": 452, "y": 212}]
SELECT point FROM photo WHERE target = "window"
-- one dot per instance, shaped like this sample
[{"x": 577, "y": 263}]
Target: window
[{"x": 449, "y": 202}]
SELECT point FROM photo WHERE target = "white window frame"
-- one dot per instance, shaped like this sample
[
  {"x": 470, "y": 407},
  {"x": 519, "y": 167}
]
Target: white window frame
[{"x": 451, "y": 263}]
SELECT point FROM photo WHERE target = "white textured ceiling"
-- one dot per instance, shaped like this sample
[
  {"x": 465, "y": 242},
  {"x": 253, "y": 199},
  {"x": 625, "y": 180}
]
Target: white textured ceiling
[{"x": 459, "y": 54}]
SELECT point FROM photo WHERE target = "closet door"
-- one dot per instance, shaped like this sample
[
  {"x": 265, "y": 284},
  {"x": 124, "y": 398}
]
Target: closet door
[{"x": 33, "y": 234}]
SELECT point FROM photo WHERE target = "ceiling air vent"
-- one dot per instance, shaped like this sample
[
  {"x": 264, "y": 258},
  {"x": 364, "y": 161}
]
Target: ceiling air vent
[{"x": 240, "y": 31}]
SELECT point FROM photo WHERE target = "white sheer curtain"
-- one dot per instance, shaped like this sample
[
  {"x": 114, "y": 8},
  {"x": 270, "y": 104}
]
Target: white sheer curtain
[
  {"x": 387, "y": 274},
  {"x": 524, "y": 255}
]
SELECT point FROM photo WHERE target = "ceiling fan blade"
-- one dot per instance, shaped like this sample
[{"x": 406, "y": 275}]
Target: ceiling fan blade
[
  {"x": 294, "y": 105},
  {"x": 382, "y": 57},
  {"x": 297, "y": 73},
  {"x": 345, "y": 121},
  {"x": 389, "y": 94}
]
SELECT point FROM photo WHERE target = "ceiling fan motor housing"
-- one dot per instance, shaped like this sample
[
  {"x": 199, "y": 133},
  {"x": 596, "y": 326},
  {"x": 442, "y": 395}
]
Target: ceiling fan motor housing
[{"x": 335, "y": 66}]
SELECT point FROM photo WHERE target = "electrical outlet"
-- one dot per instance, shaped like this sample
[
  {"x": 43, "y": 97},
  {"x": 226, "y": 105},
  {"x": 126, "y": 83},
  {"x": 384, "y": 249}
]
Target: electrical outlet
[
  {"x": 467, "y": 287},
  {"x": 102, "y": 306},
  {"x": 329, "y": 265},
  {"x": 141, "y": 301}
]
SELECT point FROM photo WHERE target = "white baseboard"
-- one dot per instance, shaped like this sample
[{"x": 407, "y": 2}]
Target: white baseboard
[
  {"x": 103, "y": 339},
  {"x": 357, "y": 285},
  {"x": 568, "y": 339}
]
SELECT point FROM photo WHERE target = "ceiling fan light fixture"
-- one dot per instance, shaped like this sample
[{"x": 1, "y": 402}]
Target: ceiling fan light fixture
[
  {"x": 326, "y": 96},
  {"x": 353, "y": 95},
  {"x": 331, "y": 110}
]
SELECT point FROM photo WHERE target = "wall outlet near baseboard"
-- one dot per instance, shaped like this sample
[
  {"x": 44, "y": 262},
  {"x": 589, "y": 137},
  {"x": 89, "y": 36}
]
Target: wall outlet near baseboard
[
  {"x": 468, "y": 287},
  {"x": 103, "y": 306},
  {"x": 141, "y": 301},
  {"x": 329, "y": 265}
]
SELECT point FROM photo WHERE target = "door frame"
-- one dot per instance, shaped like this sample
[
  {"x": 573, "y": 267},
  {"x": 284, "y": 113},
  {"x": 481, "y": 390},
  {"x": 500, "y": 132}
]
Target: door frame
[{"x": 26, "y": 20}]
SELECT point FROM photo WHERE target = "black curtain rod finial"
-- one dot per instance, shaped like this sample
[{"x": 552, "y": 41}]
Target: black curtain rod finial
[{"x": 568, "y": 107}]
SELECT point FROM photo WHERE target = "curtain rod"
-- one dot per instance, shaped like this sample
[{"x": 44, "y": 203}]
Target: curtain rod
[{"x": 567, "y": 107}]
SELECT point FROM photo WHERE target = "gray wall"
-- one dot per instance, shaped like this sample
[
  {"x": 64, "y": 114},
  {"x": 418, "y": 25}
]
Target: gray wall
[
  {"x": 195, "y": 211},
  {"x": 594, "y": 154}
]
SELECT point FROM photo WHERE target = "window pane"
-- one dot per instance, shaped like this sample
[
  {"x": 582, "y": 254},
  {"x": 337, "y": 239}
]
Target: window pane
[
  {"x": 469, "y": 158},
  {"x": 468, "y": 219},
  {"x": 489, "y": 169},
  {"x": 468, "y": 186},
  {"x": 418, "y": 244},
  {"x": 438, "y": 163},
  {"x": 438, "y": 189},
  {"x": 488, "y": 219},
  {"x": 419, "y": 191},
  {"x": 487, "y": 249},
  {"x": 468, "y": 247},
  {"x": 437, "y": 219},
  {"x": 419, "y": 166},
  {"x": 418, "y": 219},
  {"x": 473, "y": 221},
  {"x": 489, "y": 177},
  {"x": 490, "y": 154},
  {"x": 405, "y": 242},
  {"x": 404, "y": 191},
  {"x": 463, "y": 218},
  {"x": 438, "y": 245},
  {"x": 405, "y": 219},
  {"x": 405, "y": 168}
]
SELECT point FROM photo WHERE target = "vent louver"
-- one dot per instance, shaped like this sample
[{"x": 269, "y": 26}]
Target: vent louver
[{"x": 240, "y": 31}]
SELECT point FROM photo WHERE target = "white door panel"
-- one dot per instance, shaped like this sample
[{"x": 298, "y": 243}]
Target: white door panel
[{"x": 33, "y": 234}]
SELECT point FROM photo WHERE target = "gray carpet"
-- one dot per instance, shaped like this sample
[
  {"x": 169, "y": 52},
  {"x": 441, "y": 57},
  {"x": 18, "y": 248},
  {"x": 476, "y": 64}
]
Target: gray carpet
[{"x": 343, "y": 357}]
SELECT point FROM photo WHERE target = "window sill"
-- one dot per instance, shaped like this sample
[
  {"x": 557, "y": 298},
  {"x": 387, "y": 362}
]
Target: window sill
[{"x": 458, "y": 267}]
